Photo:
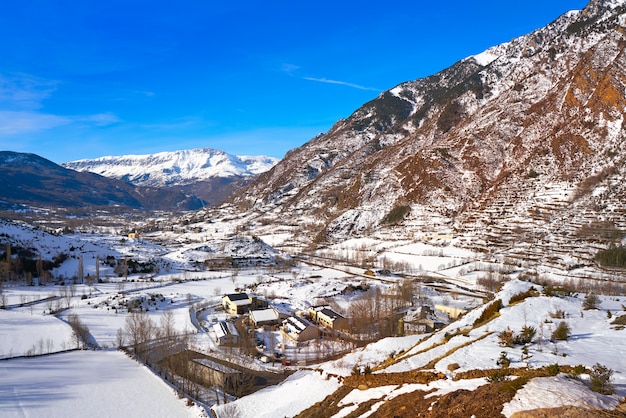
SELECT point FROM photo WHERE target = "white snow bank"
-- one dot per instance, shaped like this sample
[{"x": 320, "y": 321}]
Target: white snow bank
[
  {"x": 553, "y": 392},
  {"x": 486, "y": 57},
  {"x": 40, "y": 334},
  {"x": 86, "y": 384},
  {"x": 300, "y": 391}
]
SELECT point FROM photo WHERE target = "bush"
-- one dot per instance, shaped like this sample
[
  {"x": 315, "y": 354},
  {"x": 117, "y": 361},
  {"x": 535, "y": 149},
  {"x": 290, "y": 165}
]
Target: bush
[
  {"x": 558, "y": 314},
  {"x": 577, "y": 371},
  {"x": 506, "y": 337},
  {"x": 396, "y": 215},
  {"x": 620, "y": 320},
  {"x": 526, "y": 336},
  {"x": 553, "y": 369},
  {"x": 562, "y": 332},
  {"x": 600, "y": 380},
  {"x": 498, "y": 376},
  {"x": 489, "y": 313},
  {"x": 591, "y": 302},
  {"x": 532, "y": 292},
  {"x": 503, "y": 361}
]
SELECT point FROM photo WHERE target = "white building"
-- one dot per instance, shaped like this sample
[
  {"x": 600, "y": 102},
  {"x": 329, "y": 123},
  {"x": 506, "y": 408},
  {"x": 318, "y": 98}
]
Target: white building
[{"x": 226, "y": 333}]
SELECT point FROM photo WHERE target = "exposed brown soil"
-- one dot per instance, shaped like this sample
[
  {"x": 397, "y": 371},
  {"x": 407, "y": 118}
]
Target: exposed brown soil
[
  {"x": 483, "y": 402},
  {"x": 567, "y": 412},
  {"x": 486, "y": 401},
  {"x": 387, "y": 379}
]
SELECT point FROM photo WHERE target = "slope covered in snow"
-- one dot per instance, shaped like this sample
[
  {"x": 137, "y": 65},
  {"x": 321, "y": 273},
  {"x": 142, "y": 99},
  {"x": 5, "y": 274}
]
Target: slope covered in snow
[{"x": 86, "y": 384}]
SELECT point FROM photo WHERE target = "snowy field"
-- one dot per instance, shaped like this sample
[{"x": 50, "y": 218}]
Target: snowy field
[
  {"x": 53, "y": 382},
  {"x": 86, "y": 384}
]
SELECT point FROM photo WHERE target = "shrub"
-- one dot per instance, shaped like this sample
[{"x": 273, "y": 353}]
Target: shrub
[
  {"x": 513, "y": 385},
  {"x": 506, "y": 337},
  {"x": 489, "y": 312},
  {"x": 503, "y": 361},
  {"x": 591, "y": 302},
  {"x": 550, "y": 290},
  {"x": 498, "y": 376},
  {"x": 553, "y": 369},
  {"x": 558, "y": 314},
  {"x": 532, "y": 292},
  {"x": 577, "y": 371},
  {"x": 562, "y": 332},
  {"x": 526, "y": 336},
  {"x": 600, "y": 380}
]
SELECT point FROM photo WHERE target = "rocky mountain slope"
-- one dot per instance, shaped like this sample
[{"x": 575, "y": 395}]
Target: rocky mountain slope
[
  {"x": 210, "y": 174},
  {"x": 519, "y": 144},
  {"x": 32, "y": 181}
]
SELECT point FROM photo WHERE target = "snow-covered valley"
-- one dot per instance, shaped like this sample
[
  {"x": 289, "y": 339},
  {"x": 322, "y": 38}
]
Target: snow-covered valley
[{"x": 366, "y": 367}]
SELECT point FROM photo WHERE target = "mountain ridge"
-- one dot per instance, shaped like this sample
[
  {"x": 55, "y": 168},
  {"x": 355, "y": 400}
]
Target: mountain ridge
[
  {"x": 539, "y": 117},
  {"x": 33, "y": 181},
  {"x": 180, "y": 167},
  {"x": 211, "y": 175}
]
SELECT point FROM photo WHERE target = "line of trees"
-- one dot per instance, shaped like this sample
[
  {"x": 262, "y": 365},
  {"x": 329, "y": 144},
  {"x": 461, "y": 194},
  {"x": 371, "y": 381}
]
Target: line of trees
[
  {"x": 614, "y": 256},
  {"x": 374, "y": 313}
]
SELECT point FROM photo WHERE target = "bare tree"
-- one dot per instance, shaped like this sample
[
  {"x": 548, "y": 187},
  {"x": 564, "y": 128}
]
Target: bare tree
[
  {"x": 120, "y": 338},
  {"x": 140, "y": 330},
  {"x": 167, "y": 329},
  {"x": 3, "y": 297},
  {"x": 39, "y": 267},
  {"x": 407, "y": 290},
  {"x": 234, "y": 273},
  {"x": 97, "y": 269},
  {"x": 66, "y": 295},
  {"x": 80, "y": 331},
  {"x": 80, "y": 274},
  {"x": 49, "y": 345}
]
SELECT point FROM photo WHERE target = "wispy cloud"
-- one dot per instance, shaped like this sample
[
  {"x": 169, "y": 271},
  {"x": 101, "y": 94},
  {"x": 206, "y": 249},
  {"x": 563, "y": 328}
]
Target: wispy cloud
[
  {"x": 20, "y": 122},
  {"x": 289, "y": 68},
  {"x": 183, "y": 123},
  {"x": 341, "y": 83},
  {"x": 100, "y": 119},
  {"x": 23, "y": 91},
  {"x": 21, "y": 103}
]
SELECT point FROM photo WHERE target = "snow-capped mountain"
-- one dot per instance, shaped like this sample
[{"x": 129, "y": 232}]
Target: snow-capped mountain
[
  {"x": 32, "y": 181},
  {"x": 175, "y": 168},
  {"x": 524, "y": 141}
]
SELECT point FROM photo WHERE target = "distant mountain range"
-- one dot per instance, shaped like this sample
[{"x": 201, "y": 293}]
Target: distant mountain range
[
  {"x": 175, "y": 168},
  {"x": 211, "y": 175},
  {"x": 182, "y": 180},
  {"x": 29, "y": 180}
]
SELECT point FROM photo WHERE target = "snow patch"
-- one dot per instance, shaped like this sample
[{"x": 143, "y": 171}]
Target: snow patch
[{"x": 553, "y": 392}]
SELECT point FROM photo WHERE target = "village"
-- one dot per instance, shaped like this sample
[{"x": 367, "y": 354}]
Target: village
[{"x": 255, "y": 342}]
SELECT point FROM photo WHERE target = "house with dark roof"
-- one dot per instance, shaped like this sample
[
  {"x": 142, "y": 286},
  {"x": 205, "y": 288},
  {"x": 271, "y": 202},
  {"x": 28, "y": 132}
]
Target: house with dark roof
[
  {"x": 236, "y": 303},
  {"x": 327, "y": 317},
  {"x": 299, "y": 329}
]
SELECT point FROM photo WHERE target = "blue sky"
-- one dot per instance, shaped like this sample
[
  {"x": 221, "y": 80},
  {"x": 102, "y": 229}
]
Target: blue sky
[{"x": 83, "y": 79}]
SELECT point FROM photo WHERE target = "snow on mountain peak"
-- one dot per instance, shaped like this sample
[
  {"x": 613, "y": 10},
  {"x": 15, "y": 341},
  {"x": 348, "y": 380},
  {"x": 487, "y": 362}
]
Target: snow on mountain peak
[{"x": 176, "y": 167}]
